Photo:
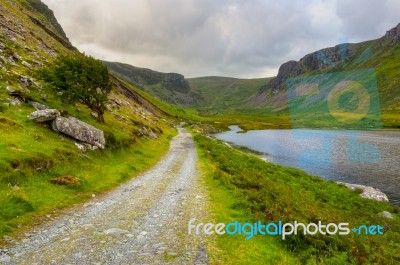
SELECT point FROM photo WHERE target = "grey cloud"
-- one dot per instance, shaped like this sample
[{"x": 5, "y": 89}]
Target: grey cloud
[{"x": 227, "y": 37}]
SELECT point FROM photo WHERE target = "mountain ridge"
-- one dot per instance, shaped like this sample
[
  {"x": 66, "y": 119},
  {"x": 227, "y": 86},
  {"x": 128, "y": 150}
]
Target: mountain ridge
[{"x": 270, "y": 96}]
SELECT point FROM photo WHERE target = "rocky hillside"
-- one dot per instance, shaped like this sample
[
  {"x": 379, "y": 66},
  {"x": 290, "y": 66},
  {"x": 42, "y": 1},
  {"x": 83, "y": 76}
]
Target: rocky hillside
[
  {"x": 170, "y": 87},
  {"x": 31, "y": 38},
  {"x": 382, "y": 54},
  {"x": 215, "y": 95},
  {"x": 44, "y": 138},
  {"x": 209, "y": 95}
]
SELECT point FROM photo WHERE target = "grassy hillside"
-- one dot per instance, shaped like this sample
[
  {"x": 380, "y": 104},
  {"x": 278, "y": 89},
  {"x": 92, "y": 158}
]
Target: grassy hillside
[
  {"x": 225, "y": 94},
  {"x": 264, "y": 98},
  {"x": 137, "y": 131},
  {"x": 246, "y": 189}
]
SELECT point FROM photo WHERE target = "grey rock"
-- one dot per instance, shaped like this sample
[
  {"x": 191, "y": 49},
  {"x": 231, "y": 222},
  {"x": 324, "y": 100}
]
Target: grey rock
[
  {"x": 81, "y": 147},
  {"x": 311, "y": 61},
  {"x": 26, "y": 64},
  {"x": 79, "y": 130},
  {"x": 17, "y": 57},
  {"x": 94, "y": 115},
  {"x": 10, "y": 89},
  {"x": 386, "y": 214},
  {"x": 393, "y": 35},
  {"x": 7, "y": 238},
  {"x": 152, "y": 135},
  {"x": 176, "y": 82},
  {"x": 44, "y": 115},
  {"x": 38, "y": 106},
  {"x": 5, "y": 258},
  {"x": 15, "y": 102},
  {"x": 115, "y": 231},
  {"x": 26, "y": 81},
  {"x": 368, "y": 192}
]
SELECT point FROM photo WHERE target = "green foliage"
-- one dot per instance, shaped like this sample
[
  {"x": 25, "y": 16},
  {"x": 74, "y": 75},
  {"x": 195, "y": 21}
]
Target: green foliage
[
  {"x": 80, "y": 78},
  {"x": 256, "y": 190}
]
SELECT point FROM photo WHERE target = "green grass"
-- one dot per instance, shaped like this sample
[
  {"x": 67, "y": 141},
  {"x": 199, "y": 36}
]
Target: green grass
[
  {"x": 246, "y": 189},
  {"x": 170, "y": 109},
  {"x": 252, "y": 121},
  {"x": 25, "y": 190}
]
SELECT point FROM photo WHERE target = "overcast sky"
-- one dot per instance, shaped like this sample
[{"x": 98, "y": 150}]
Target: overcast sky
[{"x": 240, "y": 38}]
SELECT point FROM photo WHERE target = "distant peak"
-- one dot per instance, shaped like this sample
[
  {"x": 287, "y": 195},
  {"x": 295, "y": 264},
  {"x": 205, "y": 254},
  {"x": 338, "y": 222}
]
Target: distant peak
[{"x": 393, "y": 35}]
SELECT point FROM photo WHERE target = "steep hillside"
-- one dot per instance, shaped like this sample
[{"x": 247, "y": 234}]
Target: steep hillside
[
  {"x": 269, "y": 96},
  {"x": 225, "y": 94},
  {"x": 33, "y": 156},
  {"x": 209, "y": 95},
  {"x": 169, "y": 87}
]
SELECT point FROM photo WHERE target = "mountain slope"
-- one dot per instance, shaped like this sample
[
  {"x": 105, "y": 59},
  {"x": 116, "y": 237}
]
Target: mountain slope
[
  {"x": 136, "y": 131},
  {"x": 209, "y": 95},
  {"x": 221, "y": 95}
]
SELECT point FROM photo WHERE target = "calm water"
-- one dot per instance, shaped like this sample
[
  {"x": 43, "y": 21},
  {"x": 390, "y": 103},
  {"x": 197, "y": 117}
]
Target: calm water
[{"x": 363, "y": 157}]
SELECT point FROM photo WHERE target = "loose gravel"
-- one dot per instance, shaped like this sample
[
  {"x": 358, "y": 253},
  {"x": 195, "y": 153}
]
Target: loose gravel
[{"x": 141, "y": 222}]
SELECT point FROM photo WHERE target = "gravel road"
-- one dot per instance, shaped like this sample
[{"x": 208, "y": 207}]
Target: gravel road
[{"x": 141, "y": 222}]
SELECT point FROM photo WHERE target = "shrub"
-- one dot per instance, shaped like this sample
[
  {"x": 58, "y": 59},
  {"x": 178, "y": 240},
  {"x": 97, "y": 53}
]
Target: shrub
[{"x": 80, "y": 78}]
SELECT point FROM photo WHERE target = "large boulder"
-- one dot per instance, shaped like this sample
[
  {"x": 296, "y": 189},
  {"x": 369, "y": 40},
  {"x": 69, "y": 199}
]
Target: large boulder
[
  {"x": 80, "y": 131},
  {"x": 44, "y": 115},
  {"x": 367, "y": 191}
]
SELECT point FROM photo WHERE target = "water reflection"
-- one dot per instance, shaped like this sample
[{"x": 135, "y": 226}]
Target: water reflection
[{"x": 363, "y": 157}]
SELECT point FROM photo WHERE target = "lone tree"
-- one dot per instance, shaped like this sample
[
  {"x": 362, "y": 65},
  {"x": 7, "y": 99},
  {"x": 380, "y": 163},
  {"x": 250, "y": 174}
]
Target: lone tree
[{"x": 80, "y": 78}]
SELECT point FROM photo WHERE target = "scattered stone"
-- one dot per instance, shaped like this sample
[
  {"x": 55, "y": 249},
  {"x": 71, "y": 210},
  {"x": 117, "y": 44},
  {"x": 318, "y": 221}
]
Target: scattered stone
[
  {"x": 368, "y": 192},
  {"x": 94, "y": 115},
  {"x": 10, "y": 90},
  {"x": 26, "y": 64},
  {"x": 3, "y": 59},
  {"x": 66, "y": 180},
  {"x": 79, "y": 130},
  {"x": 44, "y": 115},
  {"x": 81, "y": 147},
  {"x": 65, "y": 239},
  {"x": 38, "y": 106},
  {"x": 17, "y": 57},
  {"x": 26, "y": 81},
  {"x": 386, "y": 214},
  {"x": 15, "y": 102},
  {"x": 152, "y": 135},
  {"x": 5, "y": 258},
  {"x": 115, "y": 231},
  {"x": 7, "y": 238},
  {"x": 93, "y": 196}
]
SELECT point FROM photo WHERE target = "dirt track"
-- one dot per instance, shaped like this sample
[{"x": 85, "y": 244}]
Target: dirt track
[{"x": 142, "y": 222}]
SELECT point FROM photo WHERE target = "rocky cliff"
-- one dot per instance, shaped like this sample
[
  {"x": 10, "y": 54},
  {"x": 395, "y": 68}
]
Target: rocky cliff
[
  {"x": 323, "y": 59},
  {"x": 392, "y": 36}
]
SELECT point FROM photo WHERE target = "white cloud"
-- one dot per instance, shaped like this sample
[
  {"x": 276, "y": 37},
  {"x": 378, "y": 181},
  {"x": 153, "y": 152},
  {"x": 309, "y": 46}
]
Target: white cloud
[{"x": 227, "y": 37}]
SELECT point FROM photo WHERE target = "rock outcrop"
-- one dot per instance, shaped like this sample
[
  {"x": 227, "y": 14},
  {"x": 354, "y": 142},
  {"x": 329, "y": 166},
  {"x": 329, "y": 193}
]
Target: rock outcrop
[
  {"x": 368, "y": 192},
  {"x": 393, "y": 35},
  {"x": 44, "y": 115},
  {"x": 311, "y": 62},
  {"x": 175, "y": 82},
  {"x": 79, "y": 130}
]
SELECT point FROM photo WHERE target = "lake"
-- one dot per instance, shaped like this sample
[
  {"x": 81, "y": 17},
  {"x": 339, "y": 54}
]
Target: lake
[{"x": 369, "y": 158}]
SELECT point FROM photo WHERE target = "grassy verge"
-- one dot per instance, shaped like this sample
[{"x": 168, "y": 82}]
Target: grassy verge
[
  {"x": 26, "y": 192},
  {"x": 246, "y": 189}
]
